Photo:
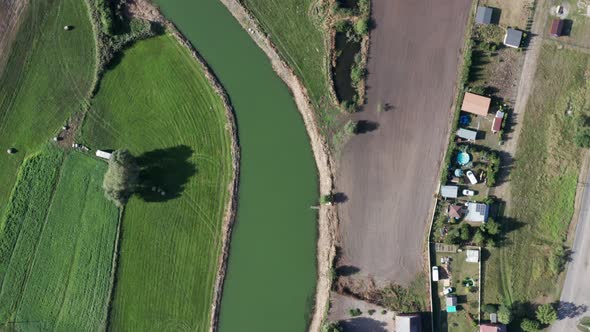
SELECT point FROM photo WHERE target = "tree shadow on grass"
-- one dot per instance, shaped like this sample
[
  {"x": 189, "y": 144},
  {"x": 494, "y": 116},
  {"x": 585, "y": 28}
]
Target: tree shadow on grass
[{"x": 164, "y": 173}]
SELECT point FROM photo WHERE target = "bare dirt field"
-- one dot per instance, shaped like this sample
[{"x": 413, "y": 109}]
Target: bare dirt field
[
  {"x": 10, "y": 11},
  {"x": 389, "y": 172}
]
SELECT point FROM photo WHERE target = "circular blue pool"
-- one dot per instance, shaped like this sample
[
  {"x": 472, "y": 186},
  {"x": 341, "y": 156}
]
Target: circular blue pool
[{"x": 463, "y": 158}]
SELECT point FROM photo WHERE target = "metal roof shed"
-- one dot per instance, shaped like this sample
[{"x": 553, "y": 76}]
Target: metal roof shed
[
  {"x": 103, "y": 154},
  {"x": 449, "y": 191},
  {"x": 407, "y": 323},
  {"x": 484, "y": 15},
  {"x": 470, "y": 135},
  {"x": 476, "y": 104},
  {"x": 472, "y": 256},
  {"x": 556, "y": 27},
  {"x": 513, "y": 38}
]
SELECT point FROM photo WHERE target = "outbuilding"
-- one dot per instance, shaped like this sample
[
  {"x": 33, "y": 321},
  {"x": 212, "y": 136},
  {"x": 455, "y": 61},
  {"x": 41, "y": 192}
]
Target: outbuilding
[
  {"x": 455, "y": 211},
  {"x": 483, "y": 15},
  {"x": 492, "y": 328},
  {"x": 103, "y": 154},
  {"x": 472, "y": 256},
  {"x": 449, "y": 191},
  {"x": 407, "y": 323},
  {"x": 476, "y": 104},
  {"x": 497, "y": 124},
  {"x": 470, "y": 135},
  {"x": 513, "y": 38},
  {"x": 556, "y": 27},
  {"x": 451, "y": 302}
]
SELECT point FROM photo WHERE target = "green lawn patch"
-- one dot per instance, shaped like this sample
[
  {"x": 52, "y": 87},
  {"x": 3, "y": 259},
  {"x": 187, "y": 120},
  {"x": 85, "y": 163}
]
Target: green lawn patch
[
  {"x": 544, "y": 179},
  {"x": 158, "y": 103},
  {"x": 47, "y": 77},
  {"x": 58, "y": 242}
]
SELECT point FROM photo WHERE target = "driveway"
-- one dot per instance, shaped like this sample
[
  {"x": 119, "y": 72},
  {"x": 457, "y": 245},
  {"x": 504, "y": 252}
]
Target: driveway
[{"x": 389, "y": 174}]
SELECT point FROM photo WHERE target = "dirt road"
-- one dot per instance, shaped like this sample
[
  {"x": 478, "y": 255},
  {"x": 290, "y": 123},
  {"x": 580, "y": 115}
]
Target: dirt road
[
  {"x": 390, "y": 173},
  {"x": 575, "y": 296}
]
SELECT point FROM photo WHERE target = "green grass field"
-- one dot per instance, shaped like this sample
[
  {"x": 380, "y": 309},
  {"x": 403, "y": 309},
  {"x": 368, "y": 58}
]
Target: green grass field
[
  {"x": 297, "y": 32},
  {"x": 544, "y": 180},
  {"x": 47, "y": 77},
  {"x": 169, "y": 116},
  {"x": 59, "y": 247}
]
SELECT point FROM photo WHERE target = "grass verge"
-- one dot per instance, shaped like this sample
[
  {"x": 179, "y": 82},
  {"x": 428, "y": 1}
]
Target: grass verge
[{"x": 171, "y": 118}]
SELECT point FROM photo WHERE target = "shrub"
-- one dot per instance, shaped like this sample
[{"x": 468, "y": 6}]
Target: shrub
[
  {"x": 582, "y": 137},
  {"x": 121, "y": 177},
  {"x": 326, "y": 199},
  {"x": 361, "y": 27},
  {"x": 341, "y": 25},
  {"x": 479, "y": 239},
  {"x": 530, "y": 325},
  {"x": 371, "y": 312},
  {"x": 350, "y": 127},
  {"x": 355, "y": 312},
  {"x": 331, "y": 327},
  {"x": 465, "y": 232},
  {"x": 364, "y": 7},
  {"x": 546, "y": 314},
  {"x": 504, "y": 315},
  {"x": 557, "y": 260},
  {"x": 490, "y": 308},
  {"x": 383, "y": 312},
  {"x": 358, "y": 70}
]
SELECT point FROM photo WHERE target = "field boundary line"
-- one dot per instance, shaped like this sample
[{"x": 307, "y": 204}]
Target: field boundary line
[{"x": 111, "y": 296}]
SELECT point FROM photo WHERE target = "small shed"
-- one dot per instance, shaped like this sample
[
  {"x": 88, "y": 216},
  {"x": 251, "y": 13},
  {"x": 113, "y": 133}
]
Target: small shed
[
  {"x": 103, "y": 154},
  {"x": 451, "y": 301},
  {"x": 497, "y": 124},
  {"x": 449, "y": 191},
  {"x": 483, "y": 15},
  {"x": 513, "y": 38},
  {"x": 476, "y": 104},
  {"x": 492, "y": 328},
  {"x": 472, "y": 256},
  {"x": 477, "y": 212},
  {"x": 407, "y": 323},
  {"x": 470, "y": 135},
  {"x": 556, "y": 27}
]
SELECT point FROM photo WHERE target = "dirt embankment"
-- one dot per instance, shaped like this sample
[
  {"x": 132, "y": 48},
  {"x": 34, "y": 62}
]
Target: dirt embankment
[
  {"x": 327, "y": 215},
  {"x": 10, "y": 18}
]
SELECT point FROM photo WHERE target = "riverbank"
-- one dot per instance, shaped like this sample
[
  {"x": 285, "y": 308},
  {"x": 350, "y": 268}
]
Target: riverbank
[{"x": 327, "y": 218}]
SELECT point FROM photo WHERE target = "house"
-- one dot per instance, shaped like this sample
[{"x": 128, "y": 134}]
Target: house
[
  {"x": 492, "y": 328},
  {"x": 451, "y": 301},
  {"x": 513, "y": 38},
  {"x": 483, "y": 15},
  {"x": 556, "y": 27},
  {"x": 467, "y": 134},
  {"x": 449, "y": 191},
  {"x": 103, "y": 154},
  {"x": 497, "y": 124},
  {"x": 477, "y": 212},
  {"x": 408, "y": 323},
  {"x": 476, "y": 104},
  {"x": 472, "y": 256},
  {"x": 455, "y": 211}
]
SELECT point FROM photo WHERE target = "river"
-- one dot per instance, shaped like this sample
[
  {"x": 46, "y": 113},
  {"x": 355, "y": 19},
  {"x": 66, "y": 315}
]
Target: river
[{"x": 271, "y": 275}]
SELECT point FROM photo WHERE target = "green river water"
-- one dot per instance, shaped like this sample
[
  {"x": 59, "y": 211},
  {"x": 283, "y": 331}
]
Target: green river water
[{"x": 270, "y": 281}]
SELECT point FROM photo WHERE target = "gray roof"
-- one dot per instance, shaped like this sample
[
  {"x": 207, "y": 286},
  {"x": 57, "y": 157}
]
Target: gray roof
[
  {"x": 513, "y": 38},
  {"x": 451, "y": 300},
  {"x": 477, "y": 212},
  {"x": 467, "y": 134},
  {"x": 483, "y": 15},
  {"x": 407, "y": 323},
  {"x": 449, "y": 191}
]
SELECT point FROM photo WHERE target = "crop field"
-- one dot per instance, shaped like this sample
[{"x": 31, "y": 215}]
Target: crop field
[
  {"x": 59, "y": 256},
  {"x": 295, "y": 27},
  {"x": 169, "y": 116},
  {"x": 544, "y": 180},
  {"x": 47, "y": 77}
]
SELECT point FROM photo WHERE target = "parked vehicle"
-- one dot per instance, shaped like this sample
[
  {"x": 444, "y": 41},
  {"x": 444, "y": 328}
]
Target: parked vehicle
[
  {"x": 471, "y": 177},
  {"x": 467, "y": 192},
  {"x": 448, "y": 290},
  {"x": 435, "y": 273}
]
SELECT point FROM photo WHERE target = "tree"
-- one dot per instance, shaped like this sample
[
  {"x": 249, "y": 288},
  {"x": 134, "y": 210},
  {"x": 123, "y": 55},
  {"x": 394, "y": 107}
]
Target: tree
[
  {"x": 452, "y": 237},
  {"x": 504, "y": 315},
  {"x": 490, "y": 308},
  {"x": 121, "y": 177},
  {"x": 464, "y": 232},
  {"x": 557, "y": 260},
  {"x": 350, "y": 128},
  {"x": 530, "y": 325},
  {"x": 331, "y": 327},
  {"x": 479, "y": 239},
  {"x": 582, "y": 137},
  {"x": 361, "y": 27},
  {"x": 491, "y": 227},
  {"x": 546, "y": 314},
  {"x": 327, "y": 199}
]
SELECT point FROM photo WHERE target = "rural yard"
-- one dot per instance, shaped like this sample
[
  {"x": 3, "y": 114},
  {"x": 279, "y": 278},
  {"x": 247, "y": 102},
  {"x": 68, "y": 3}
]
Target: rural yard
[{"x": 389, "y": 175}]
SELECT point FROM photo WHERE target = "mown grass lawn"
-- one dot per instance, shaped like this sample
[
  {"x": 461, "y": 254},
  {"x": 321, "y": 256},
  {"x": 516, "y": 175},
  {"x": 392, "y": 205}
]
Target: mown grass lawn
[
  {"x": 158, "y": 104},
  {"x": 544, "y": 181},
  {"x": 57, "y": 245},
  {"x": 47, "y": 77},
  {"x": 295, "y": 27}
]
